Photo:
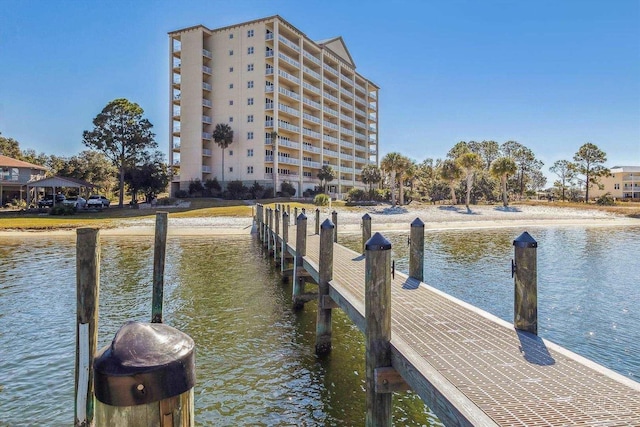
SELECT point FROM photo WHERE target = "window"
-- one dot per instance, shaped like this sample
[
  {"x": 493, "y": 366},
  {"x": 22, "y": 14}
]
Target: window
[
  {"x": 230, "y": 85},
  {"x": 230, "y": 102},
  {"x": 250, "y": 67},
  {"x": 249, "y": 169},
  {"x": 230, "y": 119},
  {"x": 249, "y": 101},
  {"x": 249, "y": 135},
  {"x": 231, "y": 52},
  {"x": 250, "y": 50},
  {"x": 307, "y": 174},
  {"x": 616, "y": 186},
  {"x": 231, "y": 69},
  {"x": 250, "y": 152},
  {"x": 230, "y": 168},
  {"x": 250, "y": 118},
  {"x": 268, "y": 169},
  {"x": 250, "y": 33},
  {"x": 231, "y": 152},
  {"x": 231, "y": 35},
  {"x": 250, "y": 84}
]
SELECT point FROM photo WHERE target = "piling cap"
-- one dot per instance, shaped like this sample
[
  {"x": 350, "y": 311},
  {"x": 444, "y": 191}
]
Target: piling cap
[
  {"x": 327, "y": 224},
  {"x": 377, "y": 242},
  {"x": 417, "y": 223},
  {"x": 525, "y": 241},
  {"x": 145, "y": 363},
  {"x": 302, "y": 217},
  {"x": 285, "y": 214},
  {"x": 366, "y": 217}
]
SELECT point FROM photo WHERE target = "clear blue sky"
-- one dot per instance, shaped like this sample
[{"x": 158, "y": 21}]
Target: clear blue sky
[{"x": 549, "y": 74}]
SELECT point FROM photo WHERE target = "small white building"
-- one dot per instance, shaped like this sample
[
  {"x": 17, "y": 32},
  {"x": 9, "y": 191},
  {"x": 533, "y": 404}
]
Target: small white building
[{"x": 623, "y": 184}]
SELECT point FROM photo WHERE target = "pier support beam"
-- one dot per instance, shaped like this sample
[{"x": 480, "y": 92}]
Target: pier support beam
[
  {"x": 323, "y": 321},
  {"x": 285, "y": 238},
  {"x": 159, "y": 251},
  {"x": 301, "y": 251},
  {"x": 366, "y": 229},
  {"x": 268, "y": 230},
  {"x": 416, "y": 250},
  {"x": 525, "y": 272},
  {"x": 334, "y": 220},
  {"x": 378, "y": 326},
  {"x": 275, "y": 234},
  {"x": 259, "y": 220},
  {"x": 87, "y": 293}
]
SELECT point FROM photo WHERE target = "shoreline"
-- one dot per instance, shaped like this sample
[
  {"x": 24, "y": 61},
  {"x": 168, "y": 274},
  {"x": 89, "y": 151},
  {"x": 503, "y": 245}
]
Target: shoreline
[{"x": 384, "y": 219}]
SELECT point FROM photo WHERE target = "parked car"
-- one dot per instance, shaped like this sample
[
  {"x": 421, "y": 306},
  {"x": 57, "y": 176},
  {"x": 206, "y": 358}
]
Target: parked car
[
  {"x": 98, "y": 201},
  {"x": 47, "y": 201},
  {"x": 76, "y": 202}
]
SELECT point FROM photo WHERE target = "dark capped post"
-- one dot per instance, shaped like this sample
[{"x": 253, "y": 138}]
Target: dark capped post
[{"x": 525, "y": 273}]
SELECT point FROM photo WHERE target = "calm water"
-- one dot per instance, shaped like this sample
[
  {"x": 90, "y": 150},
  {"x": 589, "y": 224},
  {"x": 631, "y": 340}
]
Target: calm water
[{"x": 255, "y": 358}]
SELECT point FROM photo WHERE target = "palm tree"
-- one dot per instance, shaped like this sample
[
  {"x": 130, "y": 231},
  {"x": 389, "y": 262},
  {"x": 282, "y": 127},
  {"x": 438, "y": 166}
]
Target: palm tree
[
  {"x": 450, "y": 172},
  {"x": 390, "y": 165},
  {"x": 469, "y": 163},
  {"x": 326, "y": 175},
  {"x": 370, "y": 175},
  {"x": 223, "y": 136},
  {"x": 409, "y": 174},
  {"x": 501, "y": 168}
]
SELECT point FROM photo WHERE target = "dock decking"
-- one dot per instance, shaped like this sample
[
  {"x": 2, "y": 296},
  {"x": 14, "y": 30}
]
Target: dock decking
[{"x": 472, "y": 368}]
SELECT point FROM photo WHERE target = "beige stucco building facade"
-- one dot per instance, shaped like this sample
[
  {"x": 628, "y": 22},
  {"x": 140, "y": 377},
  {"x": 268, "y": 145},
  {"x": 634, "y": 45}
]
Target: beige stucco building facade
[
  {"x": 623, "y": 183},
  {"x": 294, "y": 104}
]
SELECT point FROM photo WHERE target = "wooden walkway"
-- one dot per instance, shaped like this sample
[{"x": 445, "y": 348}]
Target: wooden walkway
[{"x": 472, "y": 368}]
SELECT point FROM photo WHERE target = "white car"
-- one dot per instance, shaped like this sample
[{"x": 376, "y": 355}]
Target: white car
[
  {"x": 98, "y": 201},
  {"x": 76, "y": 202}
]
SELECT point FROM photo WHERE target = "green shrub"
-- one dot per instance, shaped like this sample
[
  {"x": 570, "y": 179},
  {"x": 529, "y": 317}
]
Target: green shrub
[
  {"x": 61, "y": 209},
  {"x": 605, "y": 200},
  {"x": 236, "y": 190},
  {"x": 287, "y": 189},
  {"x": 321, "y": 200},
  {"x": 356, "y": 195},
  {"x": 182, "y": 194}
]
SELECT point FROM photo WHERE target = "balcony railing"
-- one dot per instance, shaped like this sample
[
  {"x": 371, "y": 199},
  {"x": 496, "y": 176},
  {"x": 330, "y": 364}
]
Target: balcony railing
[
  {"x": 309, "y": 132},
  {"x": 268, "y": 105},
  {"x": 206, "y": 69},
  {"x": 268, "y": 36},
  {"x": 269, "y": 71},
  {"x": 285, "y": 108},
  {"x": 289, "y": 93},
  {"x": 330, "y": 83},
  {"x": 311, "y": 57},
  {"x": 311, "y": 164},
  {"x": 361, "y": 112},
  {"x": 206, "y": 152},
  {"x": 288, "y": 76},
  {"x": 268, "y": 53},
  {"x": 288, "y": 126},
  {"x": 330, "y": 138},
  {"x": 312, "y": 73},
  {"x": 330, "y": 68},
  {"x": 346, "y": 118},
  {"x": 328, "y": 152},
  {"x": 361, "y": 100},
  {"x": 309, "y": 147},
  {"x": 330, "y": 97},
  {"x": 311, "y": 87},
  {"x": 207, "y": 103},
  {"x": 360, "y": 88},
  {"x": 206, "y": 54},
  {"x": 288, "y": 42},
  {"x": 311, "y": 118},
  {"x": 346, "y": 144},
  {"x": 288, "y": 59},
  {"x": 268, "y": 88},
  {"x": 346, "y": 92},
  {"x": 206, "y": 169},
  {"x": 288, "y": 143},
  {"x": 207, "y": 135},
  {"x": 346, "y": 79},
  {"x": 346, "y": 105},
  {"x": 206, "y": 86},
  {"x": 311, "y": 102},
  {"x": 206, "y": 119},
  {"x": 268, "y": 123},
  {"x": 330, "y": 125},
  {"x": 346, "y": 131},
  {"x": 344, "y": 156},
  {"x": 361, "y": 147},
  {"x": 361, "y": 135},
  {"x": 330, "y": 110}
]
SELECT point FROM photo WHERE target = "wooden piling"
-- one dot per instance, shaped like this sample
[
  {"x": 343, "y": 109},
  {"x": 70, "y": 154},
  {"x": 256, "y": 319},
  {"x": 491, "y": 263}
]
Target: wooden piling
[
  {"x": 525, "y": 269},
  {"x": 285, "y": 239},
  {"x": 259, "y": 221},
  {"x": 159, "y": 251},
  {"x": 378, "y": 326},
  {"x": 295, "y": 216},
  {"x": 323, "y": 320},
  {"x": 269, "y": 230},
  {"x": 301, "y": 251},
  {"x": 416, "y": 250},
  {"x": 317, "y": 221},
  {"x": 87, "y": 292},
  {"x": 334, "y": 220},
  {"x": 289, "y": 210},
  {"x": 276, "y": 233},
  {"x": 366, "y": 229}
]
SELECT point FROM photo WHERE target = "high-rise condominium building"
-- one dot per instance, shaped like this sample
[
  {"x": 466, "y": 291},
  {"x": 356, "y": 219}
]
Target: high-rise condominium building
[{"x": 293, "y": 104}]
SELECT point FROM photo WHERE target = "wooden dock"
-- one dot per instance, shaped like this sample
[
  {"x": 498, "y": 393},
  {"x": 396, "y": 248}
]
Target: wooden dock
[{"x": 470, "y": 367}]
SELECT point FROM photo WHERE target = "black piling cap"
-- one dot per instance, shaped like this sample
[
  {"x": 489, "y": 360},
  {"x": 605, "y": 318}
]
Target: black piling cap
[
  {"x": 327, "y": 224},
  {"x": 525, "y": 241},
  {"x": 377, "y": 242},
  {"x": 145, "y": 363},
  {"x": 366, "y": 217},
  {"x": 285, "y": 214},
  {"x": 417, "y": 223},
  {"x": 302, "y": 217}
]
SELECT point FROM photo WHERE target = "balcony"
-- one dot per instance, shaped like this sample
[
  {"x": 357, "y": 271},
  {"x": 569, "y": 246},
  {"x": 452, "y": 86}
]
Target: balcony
[
  {"x": 289, "y": 93},
  {"x": 288, "y": 126},
  {"x": 361, "y": 135},
  {"x": 330, "y": 125},
  {"x": 330, "y": 110},
  {"x": 346, "y": 144},
  {"x": 330, "y": 68},
  {"x": 286, "y": 109},
  {"x": 268, "y": 88},
  {"x": 330, "y": 97},
  {"x": 311, "y": 87},
  {"x": 346, "y": 92},
  {"x": 311, "y": 164},
  {"x": 288, "y": 76},
  {"x": 330, "y": 138},
  {"x": 269, "y": 53},
  {"x": 330, "y": 83},
  {"x": 308, "y": 147},
  {"x": 311, "y": 118},
  {"x": 288, "y": 60},
  {"x": 312, "y": 133},
  {"x": 289, "y": 43},
  {"x": 207, "y": 136},
  {"x": 344, "y": 156},
  {"x": 206, "y": 169},
  {"x": 268, "y": 36},
  {"x": 346, "y": 79},
  {"x": 361, "y": 112},
  {"x": 310, "y": 72},
  {"x": 346, "y": 118},
  {"x": 206, "y": 86},
  {"x": 346, "y": 105},
  {"x": 346, "y": 131},
  {"x": 207, "y": 54},
  {"x": 206, "y": 70},
  {"x": 206, "y": 152},
  {"x": 206, "y": 119},
  {"x": 361, "y": 100},
  {"x": 176, "y": 147},
  {"x": 207, "y": 103},
  {"x": 269, "y": 71},
  {"x": 328, "y": 152},
  {"x": 311, "y": 57},
  {"x": 283, "y": 142},
  {"x": 268, "y": 105},
  {"x": 268, "y": 123},
  {"x": 360, "y": 88},
  {"x": 311, "y": 103}
]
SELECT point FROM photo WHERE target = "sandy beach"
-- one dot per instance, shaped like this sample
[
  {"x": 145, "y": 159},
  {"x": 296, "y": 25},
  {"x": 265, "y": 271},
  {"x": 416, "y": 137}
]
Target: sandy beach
[{"x": 383, "y": 218}]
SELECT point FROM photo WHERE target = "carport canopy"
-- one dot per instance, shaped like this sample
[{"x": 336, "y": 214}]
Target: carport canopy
[{"x": 56, "y": 182}]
